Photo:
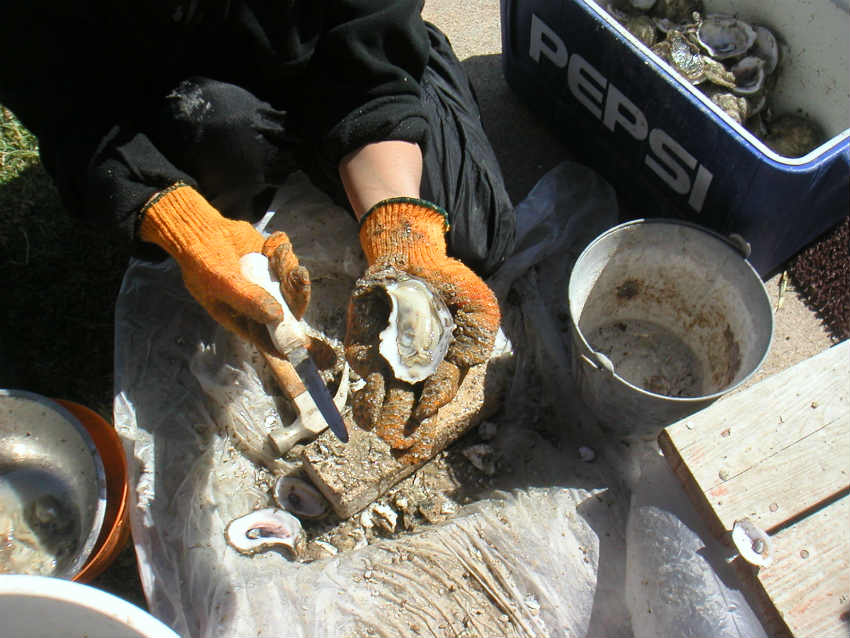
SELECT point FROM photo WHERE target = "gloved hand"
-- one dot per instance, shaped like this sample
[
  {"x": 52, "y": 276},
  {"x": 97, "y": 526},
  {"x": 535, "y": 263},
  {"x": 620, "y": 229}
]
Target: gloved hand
[
  {"x": 409, "y": 235},
  {"x": 207, "y": 247}
]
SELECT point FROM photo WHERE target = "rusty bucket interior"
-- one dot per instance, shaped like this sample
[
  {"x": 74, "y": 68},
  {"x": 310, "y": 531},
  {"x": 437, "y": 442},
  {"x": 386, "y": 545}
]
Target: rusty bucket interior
[{"x": 668, "y": 310}]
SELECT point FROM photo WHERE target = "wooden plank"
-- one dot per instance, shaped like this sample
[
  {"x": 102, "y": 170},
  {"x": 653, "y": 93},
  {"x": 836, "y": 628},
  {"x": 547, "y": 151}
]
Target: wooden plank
[
  {"x": 772, "y": 451},
  {"x": 809, "y": 579},
  {"x": 788, "y": 483}
]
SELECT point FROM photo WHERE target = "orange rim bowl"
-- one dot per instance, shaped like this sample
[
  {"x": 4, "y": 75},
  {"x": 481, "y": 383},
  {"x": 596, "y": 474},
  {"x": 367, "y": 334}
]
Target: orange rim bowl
[{"x": 115, "y": 532}]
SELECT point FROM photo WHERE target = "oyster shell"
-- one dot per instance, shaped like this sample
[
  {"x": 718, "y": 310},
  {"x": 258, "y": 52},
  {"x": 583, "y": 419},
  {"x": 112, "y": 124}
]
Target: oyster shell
[
  {"x": 725, "y": 36},
  {"x": 419, "y": 329},
  {"x": 766, "y": 47},
  {"x": 717, "y": 74},
  {"x": 721, "y": 50},
  {"x": 384, "y": 517},
  {"x": 752, "y": 543},
  {"x": 677, "y": 51},
  {"x": 734, "y": 106},
  {"x": 299, "y": 497},
  {"x": 642, "y": 27},
  {"x": 749, "y": 75},
  {"x": 265, "y": 529}
]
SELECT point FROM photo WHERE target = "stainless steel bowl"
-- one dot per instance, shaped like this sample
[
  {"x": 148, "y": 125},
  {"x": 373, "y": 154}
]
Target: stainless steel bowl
[{"x": 52, "y": 487}]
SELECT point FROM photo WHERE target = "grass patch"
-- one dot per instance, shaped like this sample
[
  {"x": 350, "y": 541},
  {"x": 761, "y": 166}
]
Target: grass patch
[{"x": 60, "y": 279}]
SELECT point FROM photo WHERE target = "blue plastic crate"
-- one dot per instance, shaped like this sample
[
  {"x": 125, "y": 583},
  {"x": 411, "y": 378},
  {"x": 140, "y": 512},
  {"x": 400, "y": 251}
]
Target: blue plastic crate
[{"x": 666, "y": 147}]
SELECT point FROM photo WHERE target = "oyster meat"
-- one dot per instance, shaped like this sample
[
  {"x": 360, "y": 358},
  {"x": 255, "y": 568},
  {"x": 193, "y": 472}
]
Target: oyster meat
[
  {"x": 419, "y": 329},
  {"x": 265, "y": 529}
]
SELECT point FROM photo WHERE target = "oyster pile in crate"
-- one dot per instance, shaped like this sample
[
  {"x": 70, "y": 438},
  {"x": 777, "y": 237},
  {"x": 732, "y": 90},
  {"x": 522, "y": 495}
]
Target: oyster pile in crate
[{"x": 733, "y": 62}]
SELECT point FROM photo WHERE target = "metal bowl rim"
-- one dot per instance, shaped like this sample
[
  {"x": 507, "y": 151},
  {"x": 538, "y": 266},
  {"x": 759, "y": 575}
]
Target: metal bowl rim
[{"x": 88, "y": 546}]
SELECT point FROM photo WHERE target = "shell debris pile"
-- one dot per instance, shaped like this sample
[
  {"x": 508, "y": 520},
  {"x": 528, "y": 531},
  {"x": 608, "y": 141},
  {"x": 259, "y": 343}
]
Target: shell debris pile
[
  {"x": 298, "y": 524},
  {"x": 733, "y": 62}
]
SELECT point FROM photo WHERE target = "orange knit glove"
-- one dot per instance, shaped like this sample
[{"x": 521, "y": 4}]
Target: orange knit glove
[
  {"x": 207, "y": 247},
  {"x": 409, "y": 235}
]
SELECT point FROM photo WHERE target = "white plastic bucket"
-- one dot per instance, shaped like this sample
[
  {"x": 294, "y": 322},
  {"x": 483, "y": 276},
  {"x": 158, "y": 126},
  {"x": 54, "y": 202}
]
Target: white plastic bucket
[
  {"x": 47, "y": 606},
  {"x": 666, "y": 317}
]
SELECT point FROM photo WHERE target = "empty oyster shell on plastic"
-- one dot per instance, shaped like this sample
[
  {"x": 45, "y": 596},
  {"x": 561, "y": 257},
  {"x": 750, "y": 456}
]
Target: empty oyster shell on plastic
[
  {"x": 752, "y": 543},
  {"x": 419, "y": 329},
  {"x": 265, "y": 529},
  {"x": 299, "y": 497},
  {"x": 725, "y": 36}
]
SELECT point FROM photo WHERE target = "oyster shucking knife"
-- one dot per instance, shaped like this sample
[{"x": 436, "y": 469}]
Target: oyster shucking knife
[{"x": 289, "y": 338}]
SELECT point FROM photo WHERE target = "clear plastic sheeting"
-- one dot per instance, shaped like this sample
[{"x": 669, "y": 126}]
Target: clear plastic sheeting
[
  {"x": 678, "y": 582},
  {"x": 542, "y": 551}
]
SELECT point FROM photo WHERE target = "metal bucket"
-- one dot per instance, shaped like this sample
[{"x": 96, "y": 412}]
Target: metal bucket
[{"x": 666, "y": 317}]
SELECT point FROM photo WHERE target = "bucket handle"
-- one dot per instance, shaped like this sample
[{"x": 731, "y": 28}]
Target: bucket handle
[
  {"x": 599, "y": 362},
  {"x": 740, "y": 244}
]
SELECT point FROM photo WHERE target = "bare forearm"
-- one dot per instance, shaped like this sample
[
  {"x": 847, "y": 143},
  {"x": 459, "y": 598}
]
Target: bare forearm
[{"x": 381, "y": 170}]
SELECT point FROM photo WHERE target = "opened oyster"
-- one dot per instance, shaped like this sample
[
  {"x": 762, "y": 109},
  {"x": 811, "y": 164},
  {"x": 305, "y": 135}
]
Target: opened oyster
[
  {"x": 419, "y": 329},
  {"x": 265, "y": 529}
]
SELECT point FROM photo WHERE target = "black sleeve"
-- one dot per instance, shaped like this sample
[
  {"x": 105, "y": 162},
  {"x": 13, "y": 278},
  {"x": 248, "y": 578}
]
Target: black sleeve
[
  {"x": 363, "y": 81},
  {"x": 71, "y": 86},
  {"x": 106, "y": 177},
  {"x": 87, "y": 82}
]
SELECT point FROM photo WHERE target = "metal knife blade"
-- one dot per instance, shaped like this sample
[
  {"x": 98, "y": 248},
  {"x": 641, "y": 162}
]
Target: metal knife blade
[
  {"x": 289, "y": 338},
  {"x": 312, "y": 380}
]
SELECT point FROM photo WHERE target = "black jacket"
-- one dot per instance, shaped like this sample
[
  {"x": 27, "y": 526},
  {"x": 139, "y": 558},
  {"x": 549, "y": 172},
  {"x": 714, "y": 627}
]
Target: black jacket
[{"x": 86, "y": 78}]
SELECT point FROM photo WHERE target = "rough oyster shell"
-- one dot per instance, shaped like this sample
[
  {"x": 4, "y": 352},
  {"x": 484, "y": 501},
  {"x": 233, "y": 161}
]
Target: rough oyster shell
[
  {"x": 679, "y": 53},
  {"x": 265, "y": 529},
  {"x": 418, "y": 332},
  {"x": 733, "y": 105}
]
